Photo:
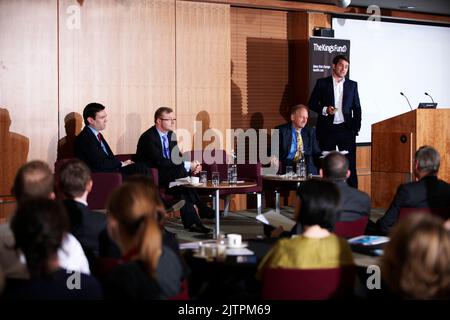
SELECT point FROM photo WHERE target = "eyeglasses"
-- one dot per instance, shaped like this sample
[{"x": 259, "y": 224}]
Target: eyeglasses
[{"x": 173, "y": 120}]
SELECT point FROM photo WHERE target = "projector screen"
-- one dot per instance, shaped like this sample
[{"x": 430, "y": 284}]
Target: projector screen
[{"x": 387, "y": 58}]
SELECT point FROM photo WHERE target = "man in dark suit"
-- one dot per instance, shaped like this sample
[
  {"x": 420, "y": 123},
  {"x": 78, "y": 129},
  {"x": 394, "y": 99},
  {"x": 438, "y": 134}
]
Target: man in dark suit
[
  {"x": 354, "y": 203},
  {"x": 157, "y": 147},
  {"x": 75, "y": 183},
  {"x": 296, "y": 140},
  {"x": 427, "y": 192},
  {"x": 91, "y": 147},
  {"x": 336, "y": 101}
]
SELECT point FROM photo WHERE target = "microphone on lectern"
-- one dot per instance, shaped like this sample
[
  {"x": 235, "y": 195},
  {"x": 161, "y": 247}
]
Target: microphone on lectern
[
  {"x": 429, "y": 96},
  {"x": 406, "y": 100}
]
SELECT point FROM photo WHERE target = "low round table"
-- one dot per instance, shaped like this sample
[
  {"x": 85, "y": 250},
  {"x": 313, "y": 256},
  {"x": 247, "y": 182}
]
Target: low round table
[
  {"x": 284, "y": 183},
  {"x": 216, "y": 189}
]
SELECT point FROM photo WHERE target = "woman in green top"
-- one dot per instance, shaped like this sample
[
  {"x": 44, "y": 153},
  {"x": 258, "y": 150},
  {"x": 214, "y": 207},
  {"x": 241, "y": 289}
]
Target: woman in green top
[{"x": 317, "y": 247}]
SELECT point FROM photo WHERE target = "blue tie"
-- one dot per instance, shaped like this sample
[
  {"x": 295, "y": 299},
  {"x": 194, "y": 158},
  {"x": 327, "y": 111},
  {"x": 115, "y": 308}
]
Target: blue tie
[{"x": 165, "y": 147}]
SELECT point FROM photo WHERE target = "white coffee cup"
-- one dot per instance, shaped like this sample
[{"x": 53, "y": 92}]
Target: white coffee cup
[
  {"x": 195, "y": 180},
  {"x": 234, "y": 240}
]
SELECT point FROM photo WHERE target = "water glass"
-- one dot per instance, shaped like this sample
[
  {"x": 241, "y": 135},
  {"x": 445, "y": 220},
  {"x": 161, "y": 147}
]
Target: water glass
[
  {"x": 215, "y": 179},
  {"x": 289, "y": 172},
  {"x": 301, "y": 170},
  {"x": 203, "y": 177},
  {"x": 232, "y": 174}
]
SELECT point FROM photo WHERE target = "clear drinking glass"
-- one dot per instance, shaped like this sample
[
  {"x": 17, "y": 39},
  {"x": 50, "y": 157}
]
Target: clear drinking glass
[
  {"x": 215, "y": 179},
  {"x": 289, "y": 172},
  {"x": 203, "y": 177}
]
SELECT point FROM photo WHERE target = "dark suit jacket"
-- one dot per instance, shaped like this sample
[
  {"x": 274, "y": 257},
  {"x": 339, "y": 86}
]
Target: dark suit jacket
[
  {"x": 85, "y": 225},
  {"x": 428, "y": 192},
  {"x": 310, "y": 145},
  {"x": 354, "y": 203},
  {"x": 88, "y": 149},
  {"x": 323, "y": 96},
  {"x": 149, "y": 151}
]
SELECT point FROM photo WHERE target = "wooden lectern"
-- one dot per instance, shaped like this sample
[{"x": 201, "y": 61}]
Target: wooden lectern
[{"x": 394, "y": 142}]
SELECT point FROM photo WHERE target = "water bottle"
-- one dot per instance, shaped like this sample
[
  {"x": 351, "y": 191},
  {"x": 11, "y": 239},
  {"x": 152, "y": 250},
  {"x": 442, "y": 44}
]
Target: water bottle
[
  {"x": 232, "y": 169},
  {"x": 301, "y": 167}
]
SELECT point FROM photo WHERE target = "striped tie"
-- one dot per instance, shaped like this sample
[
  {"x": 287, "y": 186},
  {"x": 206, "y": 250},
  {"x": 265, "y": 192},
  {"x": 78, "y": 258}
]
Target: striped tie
[{"x": 165, "y": 147}]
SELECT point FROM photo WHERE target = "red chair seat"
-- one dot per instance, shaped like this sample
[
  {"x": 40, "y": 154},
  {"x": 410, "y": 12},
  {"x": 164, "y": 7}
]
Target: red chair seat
[
  {"x": 308, "y": 284},
  {"x": 350, "y": 229}
]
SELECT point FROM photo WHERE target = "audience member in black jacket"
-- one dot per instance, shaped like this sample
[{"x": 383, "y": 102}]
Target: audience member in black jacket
[
  {"x": 427, "y": 192},
  {"x": 75, "y": 183}
]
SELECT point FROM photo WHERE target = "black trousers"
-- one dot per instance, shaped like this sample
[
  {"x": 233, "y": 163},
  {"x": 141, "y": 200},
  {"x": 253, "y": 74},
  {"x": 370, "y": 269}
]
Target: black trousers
[
  {"x": 342, "y": 137},
  {"x": 189, "y": 215}
]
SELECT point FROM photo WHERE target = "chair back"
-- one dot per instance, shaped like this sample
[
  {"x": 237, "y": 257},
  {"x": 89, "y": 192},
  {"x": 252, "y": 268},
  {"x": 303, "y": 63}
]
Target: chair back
[
  {"x": 350, "y": 229},
  {"x": 308, "y": 284}
]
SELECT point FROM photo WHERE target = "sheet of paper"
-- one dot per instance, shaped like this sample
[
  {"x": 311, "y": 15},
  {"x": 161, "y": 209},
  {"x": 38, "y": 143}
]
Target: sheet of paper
[
  {"x": 190, "y": 245},
  {"x": 276, "y": 219},
  {"x": 240, "y": 252},
  {"x": 180, "y": 182}
]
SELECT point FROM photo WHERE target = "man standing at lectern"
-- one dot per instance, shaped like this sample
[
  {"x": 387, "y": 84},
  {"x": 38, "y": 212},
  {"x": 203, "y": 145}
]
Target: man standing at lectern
[{"x": 336, "y": 101}]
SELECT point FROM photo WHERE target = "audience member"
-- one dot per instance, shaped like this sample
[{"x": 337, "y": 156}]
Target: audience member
[
  {"x": 157, "y": 148},
  {"x": 75, "y": 183},
  {"x": 109, "y": 249},
  {"x": 149, "y": 269},
  {"x": 39, "y": 227},
  {"x": 317, "y": 247},
  {"x": 427, "y": 192},
  {"x": 354, "y": 203},
  {"x": 35, "y": 180},
  {"x": 416, "y": 261}
]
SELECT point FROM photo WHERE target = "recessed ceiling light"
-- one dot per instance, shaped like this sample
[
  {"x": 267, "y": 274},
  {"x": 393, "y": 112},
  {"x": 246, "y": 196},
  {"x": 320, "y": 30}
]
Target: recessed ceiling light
[{"x": 407, "y": 7}]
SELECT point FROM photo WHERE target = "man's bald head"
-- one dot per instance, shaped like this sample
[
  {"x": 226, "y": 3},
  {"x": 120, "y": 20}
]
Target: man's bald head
[{"x": 33, "y": 180}]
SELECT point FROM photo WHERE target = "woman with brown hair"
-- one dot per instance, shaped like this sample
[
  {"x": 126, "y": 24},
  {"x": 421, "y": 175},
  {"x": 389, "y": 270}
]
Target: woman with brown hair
[
  {"x": 150, "y": 270},
  {"x": 416, "y": 261}
]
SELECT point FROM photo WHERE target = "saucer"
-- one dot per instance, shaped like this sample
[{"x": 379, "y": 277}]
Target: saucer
[
  {"x": 243, "y": 245},
  {"x": 196, "y": 184}
]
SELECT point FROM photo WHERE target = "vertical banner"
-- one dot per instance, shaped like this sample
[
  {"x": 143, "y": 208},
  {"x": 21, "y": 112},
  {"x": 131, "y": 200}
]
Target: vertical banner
[{"x": 321, "y": 54}]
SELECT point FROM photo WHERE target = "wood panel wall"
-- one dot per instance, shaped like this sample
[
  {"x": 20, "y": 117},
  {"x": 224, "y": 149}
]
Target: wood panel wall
[
  {"x": 28, "y": 85},
  {"x": 123, "y": 56},
  {"x": 363, "y": 168},
  {"x": 260, "y": 87},
  {"x": 202, "y": 74}
]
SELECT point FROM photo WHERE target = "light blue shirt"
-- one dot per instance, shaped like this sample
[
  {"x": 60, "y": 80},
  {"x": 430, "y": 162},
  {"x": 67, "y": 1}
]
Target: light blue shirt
[
  {"x": 293, "y": 149},
  {"x": 187, "y": 164},
  {"x": 95, "y": 134}
]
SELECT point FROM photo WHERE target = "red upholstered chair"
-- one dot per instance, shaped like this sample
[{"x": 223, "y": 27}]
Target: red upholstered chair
[
  {"x": 350, "y": 229},
  {"x": 103, "y": 183},
  {"x": 308, "y": 284}
]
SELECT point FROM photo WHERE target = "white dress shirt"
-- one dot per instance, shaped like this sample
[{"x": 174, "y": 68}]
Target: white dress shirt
[
  {"x": 70, "y": 255},
  {"x": 338, "y": 89}
]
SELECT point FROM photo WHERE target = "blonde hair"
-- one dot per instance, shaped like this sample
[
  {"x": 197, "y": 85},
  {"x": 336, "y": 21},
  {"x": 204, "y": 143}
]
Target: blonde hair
[
  {"x": 136, "y": 214},
  {"x": 416, "y": 261}
]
